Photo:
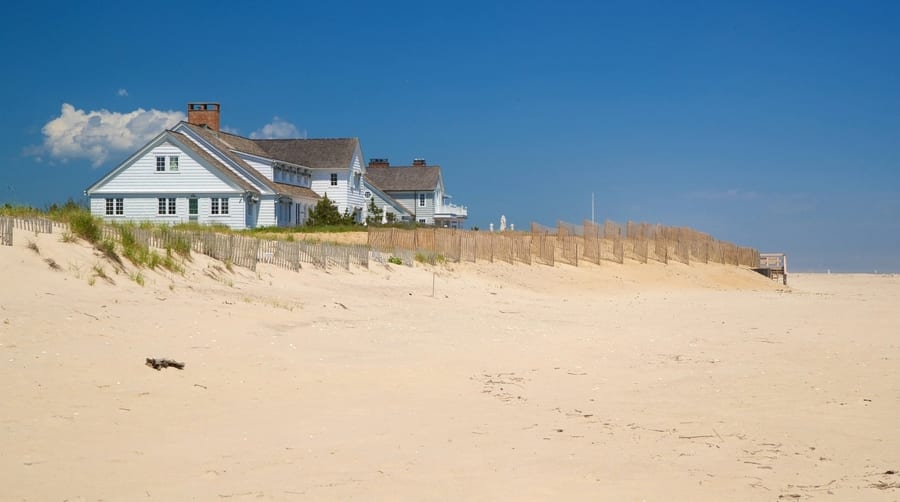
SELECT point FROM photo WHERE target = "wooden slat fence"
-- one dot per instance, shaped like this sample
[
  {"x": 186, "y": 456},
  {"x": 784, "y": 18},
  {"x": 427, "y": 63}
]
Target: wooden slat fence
[{"x": 6, "y": 231}]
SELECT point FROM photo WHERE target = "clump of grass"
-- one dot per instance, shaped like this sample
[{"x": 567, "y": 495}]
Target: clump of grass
[
  {"x": 138, "y": 278},
  {"x": 179, "y": 246},
  {"x": 395, "y": 260},
  {"x": 92, "y": 280},
  {"x": 108, "y": 249},
  {"x": 229, "y": 266},
  {"x": 33, "y": 246},
  {"x": 141, "y": 255},
  {"x": 68, "y": 237},
  {"x": 86, "y": 226},
  {"x": 100, "y": 272},
  {"x": 196, "y": 227},
  {"x": 430, "y": 258},
  {"x": 52, "y": 264}
]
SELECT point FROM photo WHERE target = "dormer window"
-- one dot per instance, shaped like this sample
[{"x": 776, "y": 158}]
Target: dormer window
[{"x": 334, "y": 179}]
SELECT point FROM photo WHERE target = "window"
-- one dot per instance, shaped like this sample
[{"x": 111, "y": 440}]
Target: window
[
  {"x": 218, "y": 206},
  {"x": 165, "y": 206},
  {"x": 173, "y": 163},
  {"x": 421, "y": 200},
  {"x": 115, "y": 206},
  {"x": 422, "y": 220},
  {"x": 160, "y": 163},
  {"x": 356, "y": 178},
  {"x": 334, "y": 179},
  {"x": 368, "y": 194}
]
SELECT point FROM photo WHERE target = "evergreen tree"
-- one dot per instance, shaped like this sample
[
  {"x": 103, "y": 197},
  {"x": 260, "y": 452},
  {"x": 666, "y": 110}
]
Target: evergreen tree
[
  {"x": 325, "y": 213},
  {"x": 375, "y": 213}
]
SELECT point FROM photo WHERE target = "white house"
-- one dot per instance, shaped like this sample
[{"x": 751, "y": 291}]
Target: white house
[
  {"x": 414, "y": 193},
  {"x": 196, "y": 172}
]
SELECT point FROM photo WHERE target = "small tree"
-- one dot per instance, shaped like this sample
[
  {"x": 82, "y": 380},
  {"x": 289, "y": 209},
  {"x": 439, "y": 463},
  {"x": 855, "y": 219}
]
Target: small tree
[
  {"x": 325, "y": 213},
  {"x": 374, "y": 217}
]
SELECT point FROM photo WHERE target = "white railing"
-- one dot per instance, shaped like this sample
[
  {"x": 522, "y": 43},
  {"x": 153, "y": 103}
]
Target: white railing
[{"x": 451, "y": 210}]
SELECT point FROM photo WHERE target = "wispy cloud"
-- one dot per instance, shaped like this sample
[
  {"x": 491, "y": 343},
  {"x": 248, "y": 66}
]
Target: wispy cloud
[
  {"x": 122, "y": 92},
  {"x": 278, "y": 129},
  {"x": 732, "y": 194},
  {"x": 97, "y": 134}
]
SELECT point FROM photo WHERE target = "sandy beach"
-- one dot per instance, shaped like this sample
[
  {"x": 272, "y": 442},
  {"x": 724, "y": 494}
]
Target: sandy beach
[{"x": 456, "y": 382}]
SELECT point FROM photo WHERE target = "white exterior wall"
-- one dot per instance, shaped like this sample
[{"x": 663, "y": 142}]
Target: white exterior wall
[
  {"x": 266, "y": 216},
  {"x": 345, "y": 195},
  {"x": 264, "y": 168},
  {"x": 321, "y": 184},
  {"x": 145, "y": 207},
  {"x": 410, "y": 200},
  {"x": 355, "y": 193},
  {"x": 142, "y": 176}
]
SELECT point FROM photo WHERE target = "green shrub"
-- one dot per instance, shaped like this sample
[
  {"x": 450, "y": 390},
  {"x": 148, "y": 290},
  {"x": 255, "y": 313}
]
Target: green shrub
[{"x": 395, "y": 260}]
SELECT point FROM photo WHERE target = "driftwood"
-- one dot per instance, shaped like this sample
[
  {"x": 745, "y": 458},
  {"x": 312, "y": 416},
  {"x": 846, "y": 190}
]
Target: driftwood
[{"x": 159, "y": 364}]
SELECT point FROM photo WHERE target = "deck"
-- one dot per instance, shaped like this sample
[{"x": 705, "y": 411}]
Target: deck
[{"x": 773, "y": 266}]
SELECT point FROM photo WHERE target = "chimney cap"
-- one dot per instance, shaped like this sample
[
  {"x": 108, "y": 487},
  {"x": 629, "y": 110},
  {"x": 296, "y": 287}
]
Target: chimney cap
[
  {"x": 418, "y": 161},
  {"x": 203, "y": 106}
]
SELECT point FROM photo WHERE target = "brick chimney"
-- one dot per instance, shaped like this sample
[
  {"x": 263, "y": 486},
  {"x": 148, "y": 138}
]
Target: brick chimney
[
  {"x": 379, "y": 163},
  {"x": 204, "y": 114},
  {"x": 418, "y": 162}
]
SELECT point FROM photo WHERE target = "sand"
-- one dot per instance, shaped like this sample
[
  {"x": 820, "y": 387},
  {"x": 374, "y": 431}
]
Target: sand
[{"x": 612, "y": 382}]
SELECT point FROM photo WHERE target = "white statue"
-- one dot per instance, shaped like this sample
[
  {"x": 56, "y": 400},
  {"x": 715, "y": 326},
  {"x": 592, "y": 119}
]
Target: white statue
[
  {"x": 492, "y": 227},
  {"x": 512, "y": 227},
  {"x": 502, "y": 223}
]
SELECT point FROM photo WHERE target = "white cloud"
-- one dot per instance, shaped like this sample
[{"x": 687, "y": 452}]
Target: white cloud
[
  {"x": 122, "y": 92},
  {"x": 278, "y": 129},
  {"x": 95, "y": 135}
]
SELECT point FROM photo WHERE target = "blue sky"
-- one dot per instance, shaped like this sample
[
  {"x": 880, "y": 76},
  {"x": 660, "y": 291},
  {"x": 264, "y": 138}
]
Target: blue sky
[{"x": 770, "y": 124}]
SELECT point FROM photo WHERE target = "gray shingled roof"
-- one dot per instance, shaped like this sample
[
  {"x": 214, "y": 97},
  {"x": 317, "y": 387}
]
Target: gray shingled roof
[
  {"x": 286, "y": 189},
  {"x": 331, "y": 153},
  {"x": 214, "y": 138},
  {"x": 404, "y": 179},
  {"x": 241, "y": 182}
]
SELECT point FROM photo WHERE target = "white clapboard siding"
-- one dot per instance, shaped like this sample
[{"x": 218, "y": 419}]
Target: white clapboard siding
[
  {"x": 266, "y": 217},
  {"x": 142, "y": 176},
  {"x": 410, "y": 200},
  {"x": 263, "y": 167},
  {"x": 355, "y": 197},
  {"x": 144, "y": 207},
  {"x": 321, "y": 184}
]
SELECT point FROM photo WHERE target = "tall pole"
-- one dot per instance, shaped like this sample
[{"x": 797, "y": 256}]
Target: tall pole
[{"x": 592, "y": 208}]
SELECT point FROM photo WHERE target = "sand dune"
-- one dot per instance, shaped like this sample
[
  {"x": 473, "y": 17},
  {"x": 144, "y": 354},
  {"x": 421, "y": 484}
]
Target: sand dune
[{"x": 464, "y": 382}]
